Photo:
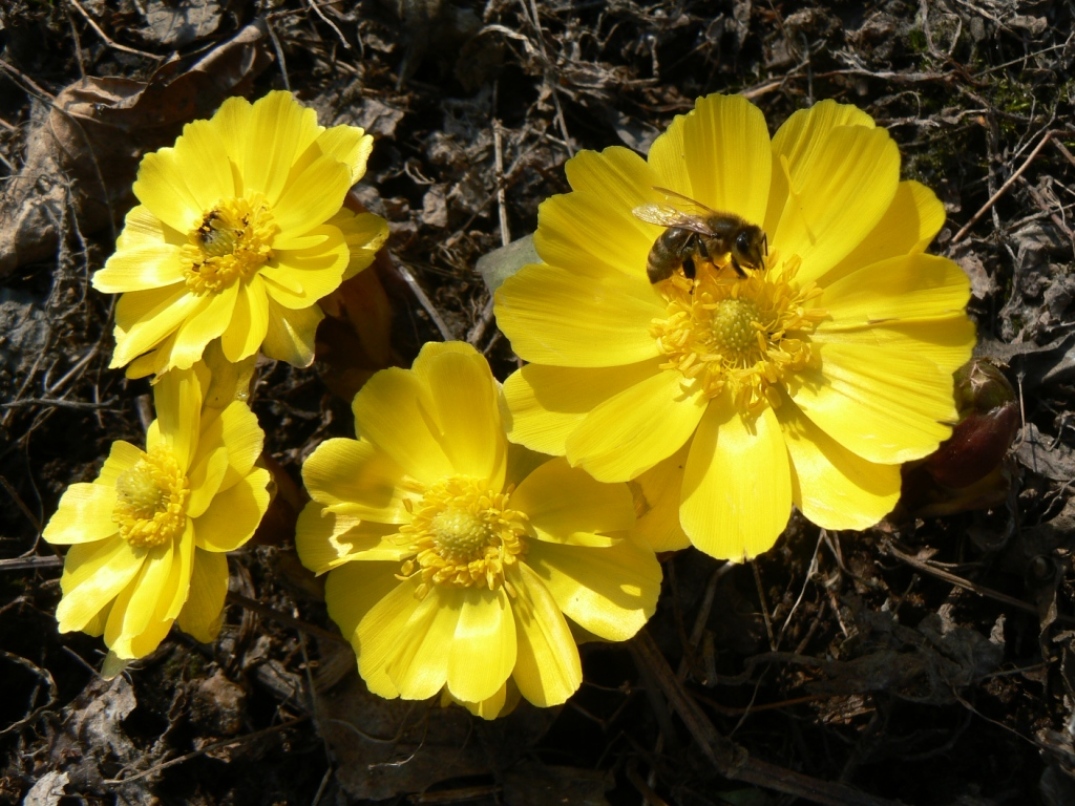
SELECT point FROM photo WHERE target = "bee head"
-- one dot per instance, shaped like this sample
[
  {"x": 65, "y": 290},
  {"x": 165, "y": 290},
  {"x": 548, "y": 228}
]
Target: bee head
[{"x": 751, "y": 246}]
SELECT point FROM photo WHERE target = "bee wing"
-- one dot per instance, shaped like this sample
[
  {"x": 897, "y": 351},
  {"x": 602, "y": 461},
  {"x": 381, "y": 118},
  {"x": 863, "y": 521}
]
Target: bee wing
[
  {"x": 686, "y": 204},
  {"x": 666, "y": 216}
]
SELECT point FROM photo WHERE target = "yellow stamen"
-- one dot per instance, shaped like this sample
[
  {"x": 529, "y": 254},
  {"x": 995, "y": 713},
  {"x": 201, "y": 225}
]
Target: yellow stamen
[
  {"x": 741, "y": 334},
  {"x": 151, "y": 500},
  {"x": 230, "y": 243},
  {"x": 463, "y": 534}
]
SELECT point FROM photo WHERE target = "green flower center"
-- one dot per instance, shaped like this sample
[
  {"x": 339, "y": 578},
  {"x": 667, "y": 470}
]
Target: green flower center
[
  {"x": 151, "y": 500},
  {"x": 733, "y": 321},
  {"x": 741, "y": 334},
  {"x": 463, "y": 534},
  {"x": 231, "y": 242}
]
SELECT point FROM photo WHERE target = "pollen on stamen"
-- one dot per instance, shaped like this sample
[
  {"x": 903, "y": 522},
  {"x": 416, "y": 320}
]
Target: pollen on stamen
[
  {"x": 151, "y": 500},
  {"x": 463, "y": 534},
  {"x": 743, "y": 335},
  {"x": 230, "y": 243}
]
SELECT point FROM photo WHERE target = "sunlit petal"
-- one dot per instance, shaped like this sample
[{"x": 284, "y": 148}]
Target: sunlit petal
[
  {"x": 631, "y": 432},
  {"x": 547, "y": 403},
  {"x": 737, "y": 484}
]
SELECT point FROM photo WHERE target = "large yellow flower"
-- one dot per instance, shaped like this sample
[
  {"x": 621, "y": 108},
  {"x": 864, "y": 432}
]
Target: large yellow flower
[
  {"x": 806, "y": 380},
  {"x": 240, "y": 231},
  {"x": 454, "y": 557},
  {"x": 148, "y": 536}
]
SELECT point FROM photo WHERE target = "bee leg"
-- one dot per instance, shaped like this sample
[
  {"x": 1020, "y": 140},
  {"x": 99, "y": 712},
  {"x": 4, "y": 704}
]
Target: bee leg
[
  {"x": 738, "y": 268},
  {"x": 689, "y": 270}
]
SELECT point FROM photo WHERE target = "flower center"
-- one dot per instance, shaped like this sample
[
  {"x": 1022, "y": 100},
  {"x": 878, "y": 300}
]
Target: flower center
[
  {"x": 232, "y": 241},
  {"x": 151, "y": 500},
  {"x": 741, "y": 334},
  {"x": 463, "y": 534}
]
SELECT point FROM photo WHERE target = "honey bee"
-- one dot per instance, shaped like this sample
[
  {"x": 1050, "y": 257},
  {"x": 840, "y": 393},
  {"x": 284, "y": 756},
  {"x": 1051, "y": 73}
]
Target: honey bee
[{"x": 695, "y": 231}]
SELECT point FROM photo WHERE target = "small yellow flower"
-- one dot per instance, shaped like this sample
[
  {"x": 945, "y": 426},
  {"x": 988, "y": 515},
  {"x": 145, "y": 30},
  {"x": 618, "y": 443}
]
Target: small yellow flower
[
  {"x": 456, "y": 560},
  {"x": 240, "y": 231},
  {"x": 806, "y": 380},
  {"x": 148, "y": 536}
]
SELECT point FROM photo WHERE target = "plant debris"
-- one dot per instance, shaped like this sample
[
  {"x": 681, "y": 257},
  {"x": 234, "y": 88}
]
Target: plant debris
[{"x": 927, "y": 660}]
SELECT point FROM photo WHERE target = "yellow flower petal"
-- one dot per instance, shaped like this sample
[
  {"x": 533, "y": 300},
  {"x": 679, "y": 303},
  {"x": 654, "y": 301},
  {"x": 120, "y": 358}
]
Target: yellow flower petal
[
  {"x": 234, "y": 514},
  {"x": 172, "y": 596},
  {"x": 243, "y": 437},
  {"x": 142, "y": 229},
  {"x": 409, "y": 640},
  {"x": 547, "y": 403},
  {"x": 840, "y": 189},
  {"x": 313, "y": 196},
  {"x": 909, "y": 287},
  {"x": 489, "y": 708},
  {"x": 249, "y": 323},
  {"x": 84, "y": 515},
  {"x": 631, "y": 432},
  {"x": 483, "y": 647},
  {"x": 353, "y": 589},
  {"x": 737, "y": 484},
  {"x": 394, "y": 412},
  {"x": 204, "y": 325},
  {"x": 717, "y": 154},
  {"x": 178, "y": 401},
  {"x": 352, "y": 476},
  {"x": 611, "y": 592},
  {"x": 835, "y": 488},
  {"x": 913, "y": 219},
  {"x": 947, "y": 342},
  {"x": 154, "y": 362},
  {"x": 547, "y": 666},
  {"x": 365, "y": 234},
  {"x": 887, "y": 405},
  {"x": 565, "y": 504},
  {"x": 205, "y": 480},
  {"x": 133, "y": 615},
  {"x": 265, "y": 139},
  {"x": 467, "y": 398},
  {"x": 168, "y": 190},
  {"x": 565, "y": 317},
  {"x": 139, "y": 269},
  {"x": 327, "y": 540},
  {"x": 348, "y": 144},
  {"x": 290, "y": 334},
  {"x": 302, "y": 277},
  {"x": 797, "y": 140},
  {"x": 93, "y": 575},
  {"x": 201, "y": 151},
  {"x": 145, "y": 318},
  {"x": 594, "y": 228},
  {"x": 616, "y": 173},
  {"x": 203, "y": 612},
  {"x": 121, "y": 456},
  {"x": 657, "y": 496}
]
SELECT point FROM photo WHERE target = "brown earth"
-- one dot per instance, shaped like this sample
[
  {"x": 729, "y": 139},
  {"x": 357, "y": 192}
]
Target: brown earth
[{"x": 926, "y": 661}]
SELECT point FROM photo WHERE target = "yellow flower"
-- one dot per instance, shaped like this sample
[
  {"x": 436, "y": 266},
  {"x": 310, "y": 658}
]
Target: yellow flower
[
  {"x": 454, "y": 557},
  {"x": 148, "y": 536},
  {"x": 807, "y": 380},
  {"x": 240, "y": 231}
]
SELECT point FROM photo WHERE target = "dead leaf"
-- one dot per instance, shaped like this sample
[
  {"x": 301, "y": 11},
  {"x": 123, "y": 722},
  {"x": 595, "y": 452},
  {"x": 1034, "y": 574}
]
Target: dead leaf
[
  {"x": 177, "y": 24},
  {"x": 387, "y": 748}
]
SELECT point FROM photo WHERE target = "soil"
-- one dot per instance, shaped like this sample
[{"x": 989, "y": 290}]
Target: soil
[{"x": 926, "y": 661}]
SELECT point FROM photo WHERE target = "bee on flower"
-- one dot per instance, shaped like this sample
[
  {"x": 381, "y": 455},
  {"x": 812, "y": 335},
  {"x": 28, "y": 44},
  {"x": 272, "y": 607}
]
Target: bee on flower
[
  {"x": 148, "y": 536},
  {"x": 738, "y": 324},
  {"x": 240, "y": 231},
  {"x": 459, "y": 564}
]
